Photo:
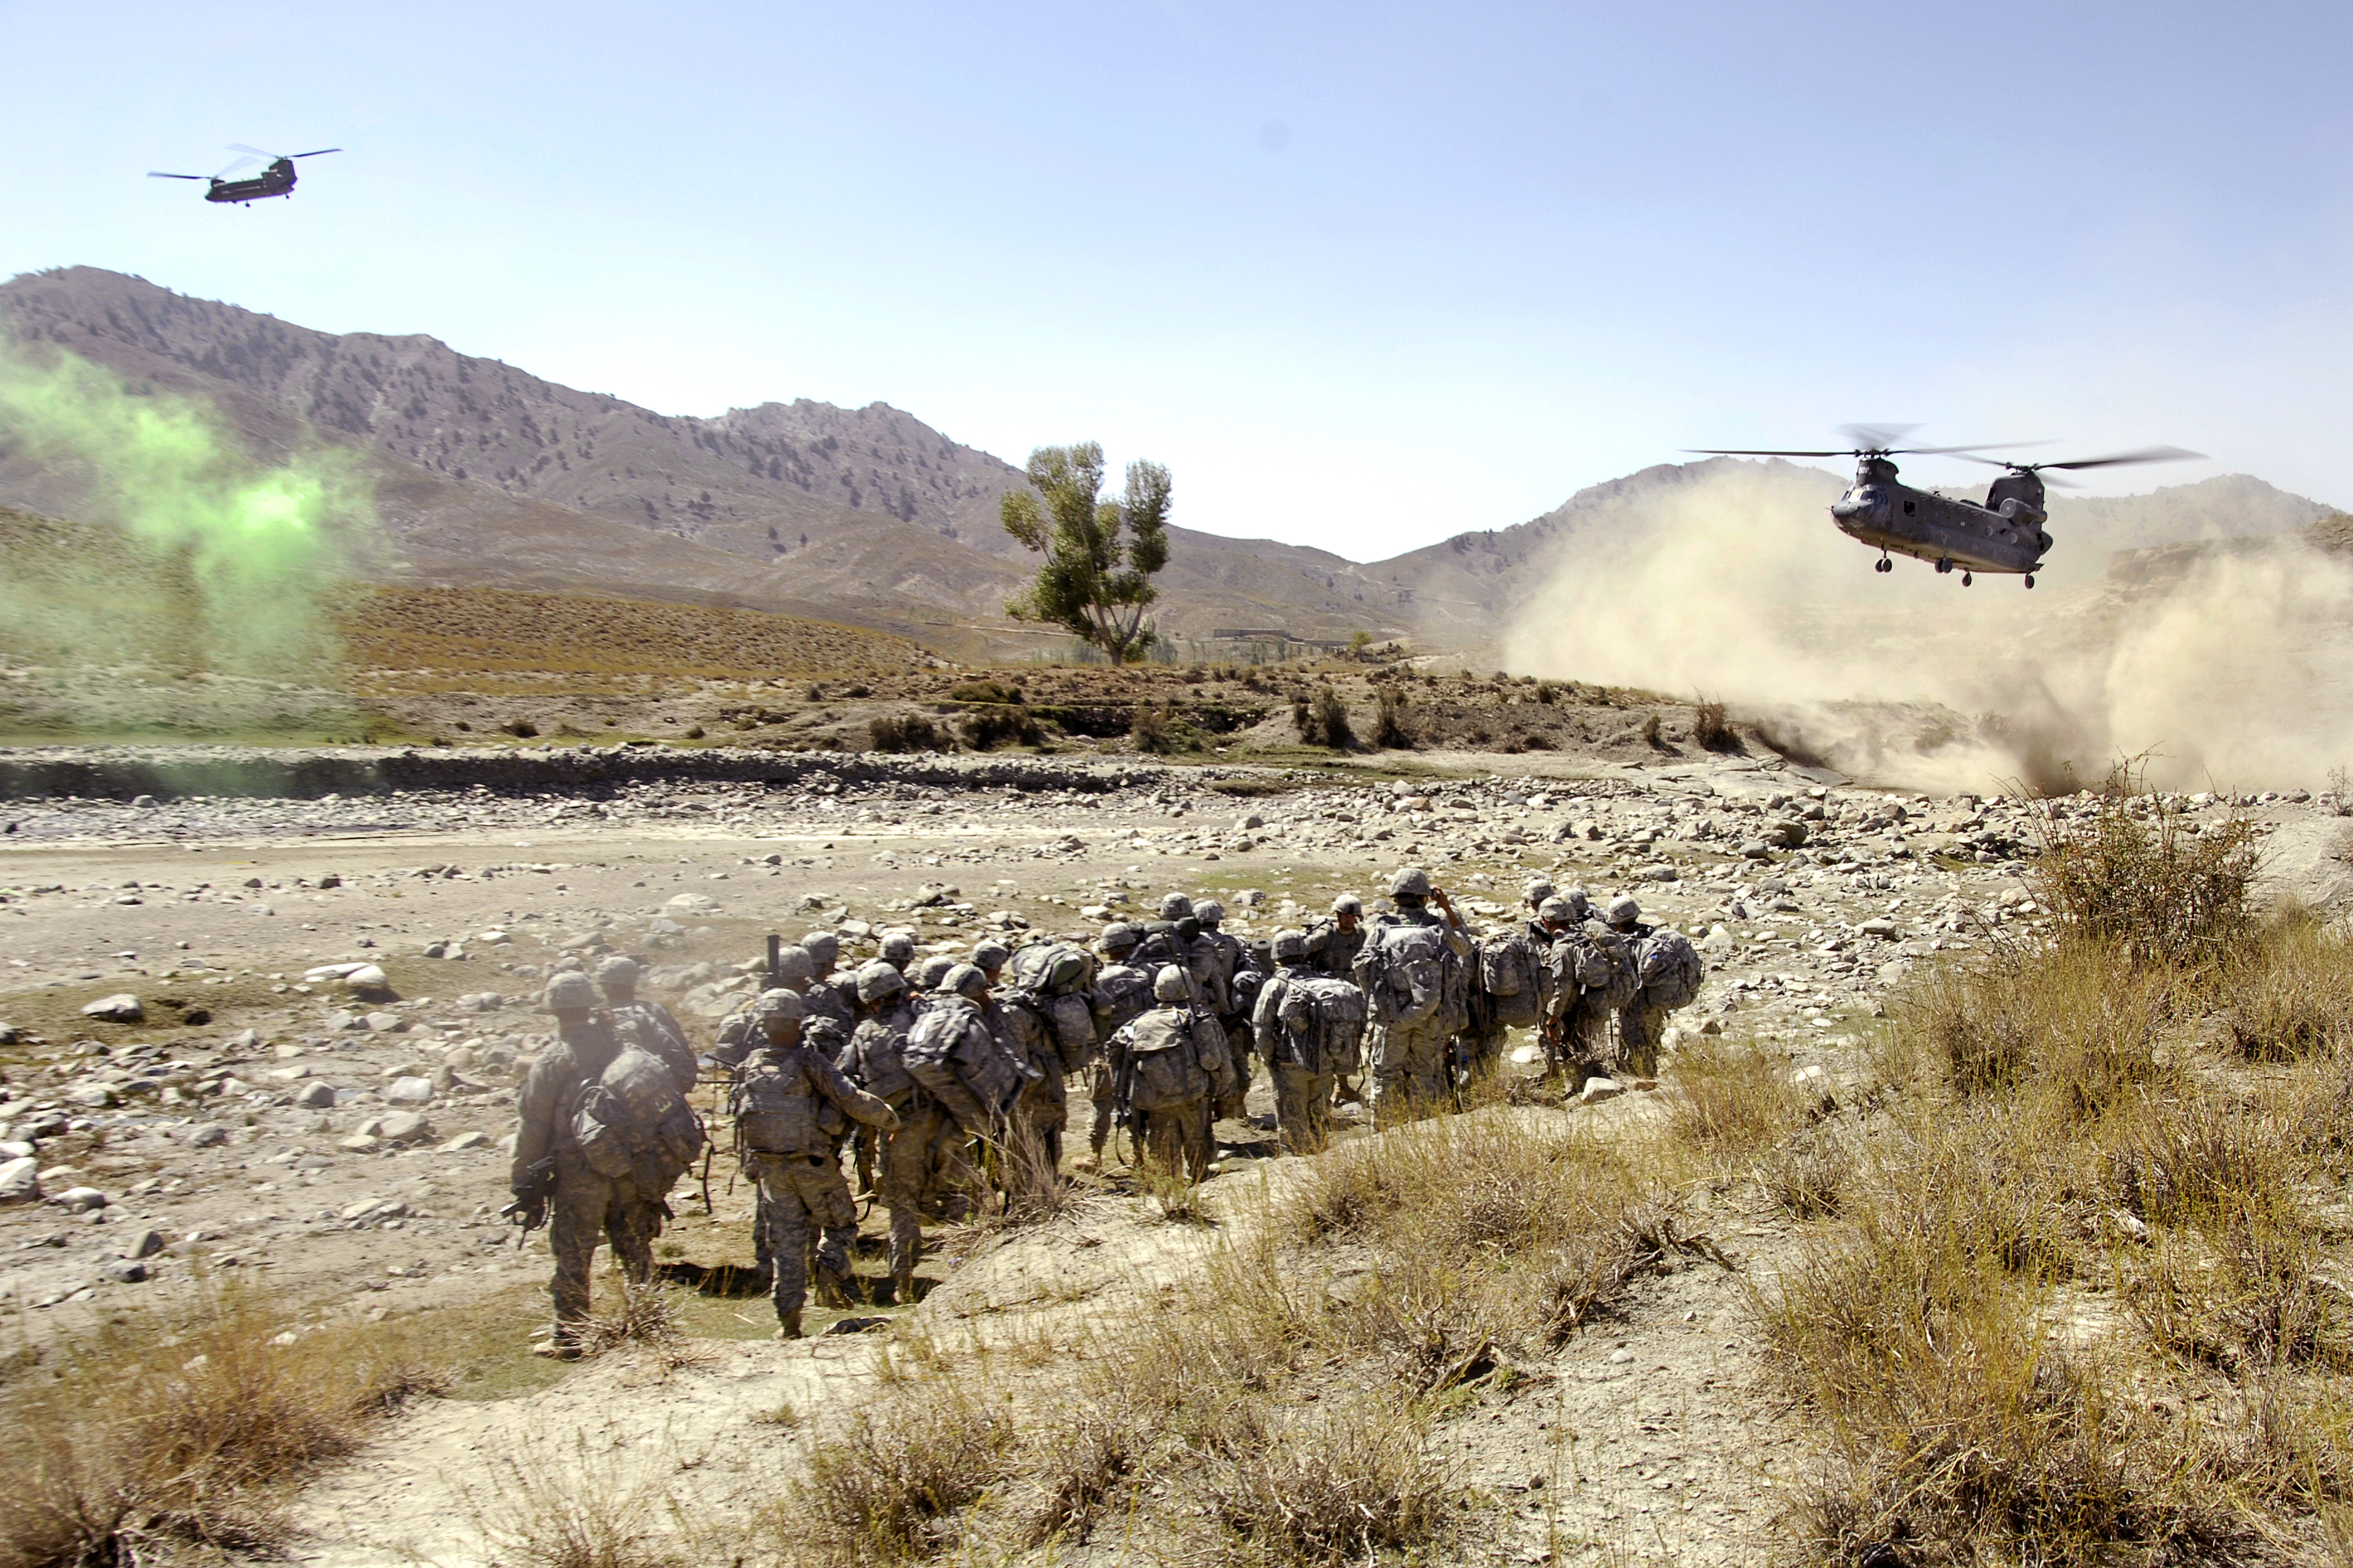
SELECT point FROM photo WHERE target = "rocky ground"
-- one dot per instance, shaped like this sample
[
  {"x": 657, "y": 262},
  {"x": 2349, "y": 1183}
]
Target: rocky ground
[{"x": 280, "y": 1035}]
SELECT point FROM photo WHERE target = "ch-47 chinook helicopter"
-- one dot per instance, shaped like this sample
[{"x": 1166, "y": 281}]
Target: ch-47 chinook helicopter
[
  {"x": 2003, "y": 535},
  {"x": 277, "y": 180}
]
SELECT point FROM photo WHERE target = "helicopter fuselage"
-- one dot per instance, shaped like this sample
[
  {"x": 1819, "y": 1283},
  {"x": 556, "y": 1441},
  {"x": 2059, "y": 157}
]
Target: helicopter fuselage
[
  {"x": 2004, "y": 534},
  {"x": 278, "y": 180}
]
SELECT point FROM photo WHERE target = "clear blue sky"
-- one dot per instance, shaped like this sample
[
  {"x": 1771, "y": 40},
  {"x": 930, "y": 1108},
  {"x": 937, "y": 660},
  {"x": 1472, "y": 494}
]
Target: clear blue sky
[{"x": 1362, "y": 275}]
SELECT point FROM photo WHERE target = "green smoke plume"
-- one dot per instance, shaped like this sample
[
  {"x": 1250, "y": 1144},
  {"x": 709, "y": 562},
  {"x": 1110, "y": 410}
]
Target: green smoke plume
[{"x": 257, "y": 545}]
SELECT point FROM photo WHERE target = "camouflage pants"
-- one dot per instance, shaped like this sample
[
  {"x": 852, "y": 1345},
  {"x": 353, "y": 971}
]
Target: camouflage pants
[
  {"x": 1641, "y": 1027},
  {"x": 1584, "y": 1038},
  {"x": 1035, "y": 1147},
  {"x": 1240, "y": 1043},
  {"x": 1104, "y": 1094},
  {"x": 798, "y": 1193},
  {"x": 588, "y": 1208},
  {"x": 1409, "y": 1074},
  {"x": 926, "y": 1135},
  {"x": 1177, "y": 1139},
  {"x": 1303, "y": 1106}
]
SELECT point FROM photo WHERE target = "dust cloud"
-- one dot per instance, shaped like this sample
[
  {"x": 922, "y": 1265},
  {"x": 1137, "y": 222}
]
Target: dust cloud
[
  {"x": 179, "y": 559},
  {"x": 2229, "y": 665}
]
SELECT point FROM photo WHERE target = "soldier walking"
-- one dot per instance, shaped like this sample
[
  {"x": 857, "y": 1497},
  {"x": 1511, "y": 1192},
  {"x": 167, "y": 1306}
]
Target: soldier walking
[
  {"x": 1413, "y": 969},
  {"x": 777, "y": 1104},
  {"x": 1122, "y": 993},
  {"x": 1289, "y": 1029},
  {"x": 1169, "y": 1065},
  {"x": 650, "y": 1025},
  {"x": 877, "y": 1064},
  {"x": 552, "y": 1178}
]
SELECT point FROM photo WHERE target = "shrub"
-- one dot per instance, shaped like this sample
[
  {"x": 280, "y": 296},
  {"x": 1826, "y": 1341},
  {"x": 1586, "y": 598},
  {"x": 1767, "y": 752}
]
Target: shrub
[
  {"x": 985, "y": 729},
  {"x": 1323, "y": 720},
  {"x": 2294, "y": 996},
  {"x": 1347, "y": 1486},
  {"x": 2129, "y": 876},
  {"x": 985, "y": 691},
  {"x": 1710, "y": 729},
  {"x": 1391, "y": 731},
  {"x": 1650, "y": 732},
  {"x": 2071, "y": 1018},
  {"x": 903, "y": 733},
  {"x": 1547, "y": 692},
  {"x": 1151, "y": 731},
  {"x": 521, "y": 729}
]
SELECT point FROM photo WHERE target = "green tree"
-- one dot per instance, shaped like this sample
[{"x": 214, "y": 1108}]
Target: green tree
[{"x": 1100, "y": 550}]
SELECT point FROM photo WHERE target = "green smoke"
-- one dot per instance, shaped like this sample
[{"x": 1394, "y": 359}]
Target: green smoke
[{"x": 257, "y": 545}]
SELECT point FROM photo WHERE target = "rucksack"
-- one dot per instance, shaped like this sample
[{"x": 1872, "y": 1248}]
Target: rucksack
[
  {"x": 1402, "y": 970},
  {"x": 1053, "y": 968},
  {"x": 1329, "y": 1015},
  {"x": 1670, "y": 969},
  {"x": 1597, "y": 962},
  {"x": 1121, "y": 992},
  {"x": 950, "y": 1045},
  {"x": 1165, "y": 1050},
  {"x": 1511, "y": 974},
  {"x": 875, "y": 1062},
  {"x": 632, "y": 1121}
]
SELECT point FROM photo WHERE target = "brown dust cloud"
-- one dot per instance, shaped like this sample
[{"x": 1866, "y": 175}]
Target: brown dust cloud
[{"x": 2226, "y": 664}]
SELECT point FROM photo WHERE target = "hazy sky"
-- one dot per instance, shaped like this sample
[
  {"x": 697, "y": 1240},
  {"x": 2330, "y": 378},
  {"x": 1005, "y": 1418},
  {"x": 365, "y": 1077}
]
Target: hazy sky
[{"x": 1361, "y": 275}]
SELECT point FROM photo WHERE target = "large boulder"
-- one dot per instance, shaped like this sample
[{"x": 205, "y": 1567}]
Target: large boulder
[{"x": 122, "y": 1007}]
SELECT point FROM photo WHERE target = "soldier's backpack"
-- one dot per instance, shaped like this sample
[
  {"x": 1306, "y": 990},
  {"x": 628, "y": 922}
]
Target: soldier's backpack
[
  {"x": 950, "y": 1045},
  {"x": 1121, "y": 993},
  {"x": 1670, "y": 969},
  {"x": 1598, "y": 961},
  {"x": 1330, "y": 1014},
  {"x": 1402, "y": 970},
  {"x": 876, "y": 1063},
  {"x": 1165, "y": 1049},
  {"x": 1511, "y": 973},
  {"x": 1053, "y": 968},
  {"x": 773, "y": 1113},
  {"x": 633, "y": 1122}
]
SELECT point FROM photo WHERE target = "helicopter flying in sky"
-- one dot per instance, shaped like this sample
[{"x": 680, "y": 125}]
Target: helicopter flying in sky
[
  {"x": 276, "y": 180},
  {"x": 2004, "y": 533}
]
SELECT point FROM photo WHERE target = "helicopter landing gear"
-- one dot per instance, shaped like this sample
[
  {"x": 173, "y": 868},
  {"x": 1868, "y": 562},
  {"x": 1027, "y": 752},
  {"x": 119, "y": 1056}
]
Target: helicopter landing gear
[
  {"x": 1945, "y": 564},
  {"x": 2030, "y": 579},
  {"x": 1882, "y": 564},
  {"x": 1966, "y": 579}
]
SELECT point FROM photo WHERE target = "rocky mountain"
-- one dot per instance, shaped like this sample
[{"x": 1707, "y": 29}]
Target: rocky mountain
[{"x": 485, "y": 473}]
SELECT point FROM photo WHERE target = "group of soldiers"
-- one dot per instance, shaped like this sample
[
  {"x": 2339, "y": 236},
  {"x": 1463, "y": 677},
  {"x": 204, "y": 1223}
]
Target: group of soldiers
[{"x": 949, "y": 1082}]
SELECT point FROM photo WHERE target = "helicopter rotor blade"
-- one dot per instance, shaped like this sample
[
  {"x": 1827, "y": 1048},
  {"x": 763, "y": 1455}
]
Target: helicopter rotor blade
[
  {"x": 2146, "y": 455},
  {"x": 250, "y": 152},
  {"x": 320, "y": 153},
  {"x": 238, "y": 167},
  {"x": 159, "y": 175},
  {"x": 1877, "y": 438},
  {"x": 1762, "y": 452}
]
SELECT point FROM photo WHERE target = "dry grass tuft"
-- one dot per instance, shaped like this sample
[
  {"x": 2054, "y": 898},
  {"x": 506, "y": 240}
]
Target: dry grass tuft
[
  {"x": 2070, "y": 1016},
  {"x": 1344, "y": 1486},
  {"x": 1731, "y": 1100},
  {"x": 889, "y": 1484},
  {"x": 2137, "y": 877},
  {"x": 161, "y": 1434},
  {"x": 2293, "y": 997},
  {"x": 574, "y": 1507},
  {"x": 648, "y": 1317}
]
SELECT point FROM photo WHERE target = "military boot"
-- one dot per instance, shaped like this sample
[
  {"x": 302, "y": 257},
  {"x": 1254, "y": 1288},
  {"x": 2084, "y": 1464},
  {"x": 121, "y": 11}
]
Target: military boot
[
  {"x": 788, "y": 1325},
  {"x": 902, "y": 1286}
]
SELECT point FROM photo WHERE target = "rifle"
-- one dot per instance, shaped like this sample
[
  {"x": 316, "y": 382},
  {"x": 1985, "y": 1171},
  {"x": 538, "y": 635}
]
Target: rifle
[
  {"x": 776, "y": 961},
  {"x": 529, "y": 1209},
  {"x": 1122, "y": 1097}
]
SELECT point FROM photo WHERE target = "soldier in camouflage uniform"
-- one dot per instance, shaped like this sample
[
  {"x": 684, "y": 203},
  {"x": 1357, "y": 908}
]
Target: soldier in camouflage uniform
[
  {"x": 990, "y": 956},
  {"x": 1176, "y": 1046},
  {"x": 1335, "y": 941},
  {"x": 1287, "y": 1035},
  {"x": 1641, "y": 1024},
  {"x": 653, "y": 1028},
  {"x": 925, "y": 1132},
  {"x": 1410, "y": 1071},
  {"x": 739, "y": 1032},
  {"x": 1121, "y": 992},
  {"x": 898, "y": 950},
  {"x": 584, "y": 1206},
  {"x": 1230, "y": 961},
  {"x": 777, "y": 1106}
]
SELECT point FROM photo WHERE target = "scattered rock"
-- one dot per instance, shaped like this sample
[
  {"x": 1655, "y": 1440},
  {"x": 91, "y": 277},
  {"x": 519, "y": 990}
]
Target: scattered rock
[
  {"x": 404, "y": 1126},
  {"x": 316, "y": 1096},
  {"x": 79, "y": 1200},
  {"x": 122, "y": 1007},
  {"x": 206, "y": 1135},
  {"x": 463, "y": 1142},
  {"x": 409, "y": 1091},
  {"x": 1879, "y": 926},
  {"x": 1598, "y": 1089},
  {"x": 20, "y": 1181},
  {"x": 384, "y": 1023},
  {"x": 146, "y": 1244},
  {"x": 122, "y": 1271}
]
